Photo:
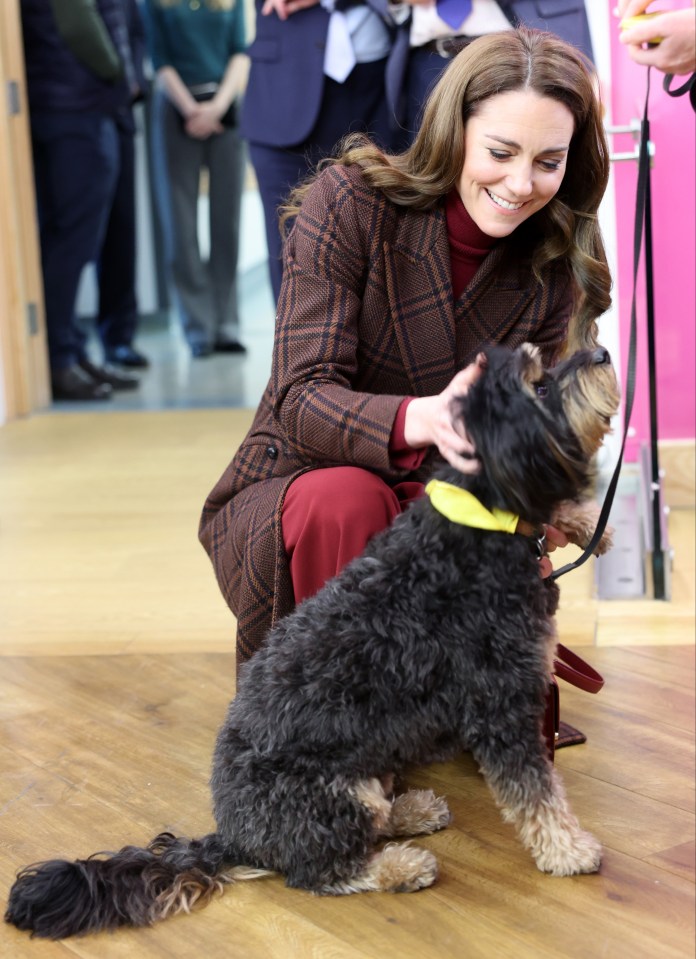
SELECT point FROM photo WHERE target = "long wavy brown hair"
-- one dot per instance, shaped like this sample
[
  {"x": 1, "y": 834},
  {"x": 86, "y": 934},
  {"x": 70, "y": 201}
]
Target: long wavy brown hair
[{"x": 566, "y": 229}]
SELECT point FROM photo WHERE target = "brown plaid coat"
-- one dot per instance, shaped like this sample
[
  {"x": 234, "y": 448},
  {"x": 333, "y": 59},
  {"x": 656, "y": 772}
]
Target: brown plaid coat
[{"x": 365, "y": 318}]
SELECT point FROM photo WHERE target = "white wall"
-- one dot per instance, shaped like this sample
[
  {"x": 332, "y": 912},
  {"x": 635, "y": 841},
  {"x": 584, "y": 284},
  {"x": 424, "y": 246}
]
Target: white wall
[{"x": 601, "y": 22}]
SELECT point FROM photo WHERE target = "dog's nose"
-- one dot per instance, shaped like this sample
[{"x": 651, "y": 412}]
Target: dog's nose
[{"x": 600, "y": 357}]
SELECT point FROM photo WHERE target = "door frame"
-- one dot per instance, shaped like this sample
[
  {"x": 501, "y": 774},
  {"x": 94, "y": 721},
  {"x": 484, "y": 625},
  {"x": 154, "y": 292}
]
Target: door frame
[{"x": 24, "y": 376}]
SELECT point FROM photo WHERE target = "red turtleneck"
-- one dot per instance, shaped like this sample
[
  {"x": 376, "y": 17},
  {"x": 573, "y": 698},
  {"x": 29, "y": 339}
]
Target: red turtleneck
[{"x": 469, "y": 246}]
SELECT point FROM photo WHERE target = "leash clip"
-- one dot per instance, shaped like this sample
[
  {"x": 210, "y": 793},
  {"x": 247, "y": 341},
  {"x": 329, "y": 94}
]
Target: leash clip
[{"x": 540, "y": 543}]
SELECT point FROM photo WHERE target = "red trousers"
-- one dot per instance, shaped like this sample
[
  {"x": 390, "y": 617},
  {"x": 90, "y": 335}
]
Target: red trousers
[{"x": 328, "y": 517}]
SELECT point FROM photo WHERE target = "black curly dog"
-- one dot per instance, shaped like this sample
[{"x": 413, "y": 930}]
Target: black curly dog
[{"x": 439, "y": 638}]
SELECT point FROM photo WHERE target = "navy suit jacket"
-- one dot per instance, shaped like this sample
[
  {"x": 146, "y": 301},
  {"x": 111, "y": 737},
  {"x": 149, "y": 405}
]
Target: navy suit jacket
[
  {"x": 282, "y": 101},
  {"x": 566, "y": 18}
]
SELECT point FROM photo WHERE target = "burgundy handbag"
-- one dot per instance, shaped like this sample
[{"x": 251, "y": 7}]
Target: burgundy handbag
[{"x": 571, "y": 667}]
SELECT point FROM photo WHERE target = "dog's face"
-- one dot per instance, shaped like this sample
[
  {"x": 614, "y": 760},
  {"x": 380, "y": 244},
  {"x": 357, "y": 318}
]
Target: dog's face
[
  {"x": 590, "y": 394},
  {"x": 535, "y": 430}
]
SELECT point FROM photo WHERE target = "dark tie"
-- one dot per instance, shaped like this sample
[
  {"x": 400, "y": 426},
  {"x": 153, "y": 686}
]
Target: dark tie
[{"x": 453, "y": 12}]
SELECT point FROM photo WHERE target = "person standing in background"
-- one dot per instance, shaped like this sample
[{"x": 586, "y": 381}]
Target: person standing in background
[
  {"x": 80, "y": 79},
  {"x": 118, "y": 307},
  {"x": 317, "y": 73},
  {"x": 198, "y": 53},
  {"x": 439, "y": 29}
]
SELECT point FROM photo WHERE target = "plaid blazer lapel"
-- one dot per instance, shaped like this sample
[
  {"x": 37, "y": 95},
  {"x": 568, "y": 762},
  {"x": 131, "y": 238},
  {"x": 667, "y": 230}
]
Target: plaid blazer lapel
[
  {"x": 419, "y": 289},
  {"x": 496, "y": 300}
]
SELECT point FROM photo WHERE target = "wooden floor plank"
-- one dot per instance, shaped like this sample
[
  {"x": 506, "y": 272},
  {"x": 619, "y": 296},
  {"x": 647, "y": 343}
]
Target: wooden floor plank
[
  {"x": 620, "y": 912},
  {"x": 679, "y": 671},
  {"x": 682, "y": 658},
  {"x": 680, "y": 860}
]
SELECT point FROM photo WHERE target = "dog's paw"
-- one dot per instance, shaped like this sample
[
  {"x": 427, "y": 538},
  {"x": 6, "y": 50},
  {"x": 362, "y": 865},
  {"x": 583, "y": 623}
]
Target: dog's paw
[
  {"x": 579, "y": 522},
  {"x": 406, "y": 868},
  {"x": 418, "y": 812},
  {"x": 606, "y": 542},
  {"x": 437, "y": 813},
  {"x": 399, "y": 867},
  {"x": 571, "y": 853}
]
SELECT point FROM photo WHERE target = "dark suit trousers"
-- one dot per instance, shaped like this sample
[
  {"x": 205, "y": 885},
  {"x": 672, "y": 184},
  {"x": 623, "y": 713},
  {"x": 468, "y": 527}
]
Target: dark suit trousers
[
  {"x": 76, "y": 162},
  {"x": 118, "y": 311},
  {"x": 423, "y": 72},
  {"x": 356, "y": 105}
]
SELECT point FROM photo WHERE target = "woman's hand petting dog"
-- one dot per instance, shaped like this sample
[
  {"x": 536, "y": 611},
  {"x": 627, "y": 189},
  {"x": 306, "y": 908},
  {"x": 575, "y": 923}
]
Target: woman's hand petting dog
[{"x": 429, "y": 421}]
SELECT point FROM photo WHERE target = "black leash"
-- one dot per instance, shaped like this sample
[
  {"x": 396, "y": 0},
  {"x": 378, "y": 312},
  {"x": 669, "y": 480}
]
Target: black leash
[
  {"x": 642, "y": 212},
  {"x": 688, "y": 87}
]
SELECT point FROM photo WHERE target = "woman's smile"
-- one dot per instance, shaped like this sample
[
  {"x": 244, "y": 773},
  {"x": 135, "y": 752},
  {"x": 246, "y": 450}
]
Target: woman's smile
[{"x": 505, "y": 204}]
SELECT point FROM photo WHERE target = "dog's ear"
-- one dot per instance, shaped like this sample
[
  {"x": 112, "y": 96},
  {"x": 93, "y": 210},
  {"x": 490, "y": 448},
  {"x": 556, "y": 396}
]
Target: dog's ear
[{"x": 530, "y": 368}]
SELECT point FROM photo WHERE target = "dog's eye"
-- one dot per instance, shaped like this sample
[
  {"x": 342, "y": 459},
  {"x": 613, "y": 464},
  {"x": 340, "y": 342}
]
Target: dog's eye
[{"x": 542, "y": 390}]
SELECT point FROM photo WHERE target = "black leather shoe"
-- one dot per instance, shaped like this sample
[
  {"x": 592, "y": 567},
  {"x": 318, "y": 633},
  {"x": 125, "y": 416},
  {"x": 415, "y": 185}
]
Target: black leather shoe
[
  {"x": 74, "y": 384},
  {"x": 126, "y": 356},
  {"x": 229, "y": 346},
  {"x": 116, "y": 379}
]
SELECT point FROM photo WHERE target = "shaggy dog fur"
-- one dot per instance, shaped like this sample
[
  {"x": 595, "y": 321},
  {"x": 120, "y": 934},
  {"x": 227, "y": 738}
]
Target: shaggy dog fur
[{"x": 439, "y": 638}]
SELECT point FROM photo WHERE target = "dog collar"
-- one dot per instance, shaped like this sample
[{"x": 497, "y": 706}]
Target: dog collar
[{"x": 460, "y": 506}]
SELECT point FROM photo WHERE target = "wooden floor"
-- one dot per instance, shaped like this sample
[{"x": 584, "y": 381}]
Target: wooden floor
[{"x": 117, "y": 667}]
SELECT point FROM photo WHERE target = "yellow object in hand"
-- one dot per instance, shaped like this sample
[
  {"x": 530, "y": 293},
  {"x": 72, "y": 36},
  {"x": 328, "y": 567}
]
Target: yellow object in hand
[{"x": 629, "y": 22}]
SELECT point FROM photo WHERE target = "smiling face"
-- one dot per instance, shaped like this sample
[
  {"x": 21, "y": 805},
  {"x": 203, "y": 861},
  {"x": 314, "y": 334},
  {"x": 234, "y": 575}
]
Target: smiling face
[{"x": 516, "y": 147}]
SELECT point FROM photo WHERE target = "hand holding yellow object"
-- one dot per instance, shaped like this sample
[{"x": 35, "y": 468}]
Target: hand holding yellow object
[
  {"x": 664, "y": 39},
  {"x": 629, "y": 22}
]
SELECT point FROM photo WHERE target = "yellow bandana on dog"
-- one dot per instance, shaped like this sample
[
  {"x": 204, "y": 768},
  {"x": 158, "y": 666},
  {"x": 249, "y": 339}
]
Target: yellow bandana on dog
[{"x": 461, "y": 506}]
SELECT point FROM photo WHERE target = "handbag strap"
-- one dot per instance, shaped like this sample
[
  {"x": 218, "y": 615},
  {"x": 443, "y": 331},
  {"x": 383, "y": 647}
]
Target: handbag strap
[
  {"x": 642, "y": 193},
  {"x": 571, "y": 667}
]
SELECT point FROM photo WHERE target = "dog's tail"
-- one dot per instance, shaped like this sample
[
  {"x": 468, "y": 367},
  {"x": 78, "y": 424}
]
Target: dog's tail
[{"x": 133, "y": 887}]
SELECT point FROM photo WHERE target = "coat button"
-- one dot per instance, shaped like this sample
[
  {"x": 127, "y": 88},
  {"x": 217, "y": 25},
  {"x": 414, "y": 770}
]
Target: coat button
[{"x": 272, "y": 452}]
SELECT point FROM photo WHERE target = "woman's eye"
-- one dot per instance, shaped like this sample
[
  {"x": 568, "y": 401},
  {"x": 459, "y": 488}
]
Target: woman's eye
[
  {"x": 550, "y": 165},
  {"x": 499, "y": 155},
  {"x": 542, "y": 390}
]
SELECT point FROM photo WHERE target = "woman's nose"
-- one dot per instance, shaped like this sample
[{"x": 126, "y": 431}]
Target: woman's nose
[{"x": 520, "y": 181}]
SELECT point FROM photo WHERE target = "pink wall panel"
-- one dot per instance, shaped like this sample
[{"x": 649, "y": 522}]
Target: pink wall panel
[{"x": 673, "y": 179}]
